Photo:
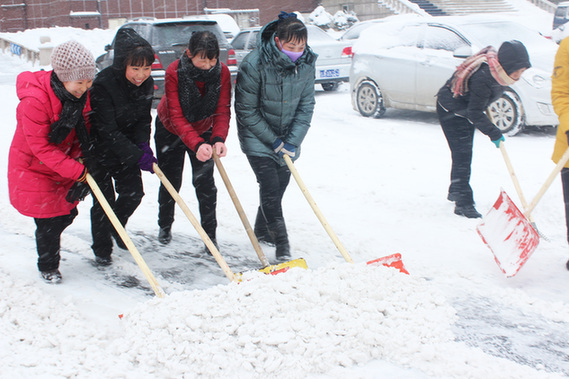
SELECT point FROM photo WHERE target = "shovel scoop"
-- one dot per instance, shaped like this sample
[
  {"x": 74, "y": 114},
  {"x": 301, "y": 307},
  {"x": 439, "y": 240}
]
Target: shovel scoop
[{"x": 509, "y": 235}]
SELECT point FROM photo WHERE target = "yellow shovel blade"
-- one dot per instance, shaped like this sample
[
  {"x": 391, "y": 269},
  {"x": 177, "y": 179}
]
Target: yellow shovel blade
[
  {"x": 277, "y": 269},
  {"x": 284, "y": 267}
]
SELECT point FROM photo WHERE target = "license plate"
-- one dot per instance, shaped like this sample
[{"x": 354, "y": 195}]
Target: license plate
[{"x": 332, "y": 73}]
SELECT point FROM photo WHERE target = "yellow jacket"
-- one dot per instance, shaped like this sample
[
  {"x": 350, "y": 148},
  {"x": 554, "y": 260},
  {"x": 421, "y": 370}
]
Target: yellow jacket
[{"x": 560, "y": 98}]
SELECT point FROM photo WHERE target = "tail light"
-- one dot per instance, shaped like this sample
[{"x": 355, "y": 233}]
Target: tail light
[
  {"x": 157, "y": 65},
  {"x": 347, "y": 52},
  {"x": 231, "y": 58}
]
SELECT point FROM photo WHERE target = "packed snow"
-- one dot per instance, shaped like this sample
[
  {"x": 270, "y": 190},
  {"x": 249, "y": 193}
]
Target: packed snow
[{"x": 381, "y": 183}]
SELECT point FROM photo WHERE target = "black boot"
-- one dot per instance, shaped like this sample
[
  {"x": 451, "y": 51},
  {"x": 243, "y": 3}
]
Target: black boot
[
  {"x": 51, "y": 276},
  {"x": 120, "y": 243},
  {"x": 278, "y": 232},
  {"x": 261, "y": 230},
  {"x": 165, "y": 235},
  {"x": 467, "y": 210},
  {"x": 567, "y": 265}
]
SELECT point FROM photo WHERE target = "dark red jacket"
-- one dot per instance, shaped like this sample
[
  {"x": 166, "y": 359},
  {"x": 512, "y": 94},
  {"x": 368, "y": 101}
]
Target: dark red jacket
[
  {"x": 40, "y": 173},
  {"x": 171, "y": 115}
]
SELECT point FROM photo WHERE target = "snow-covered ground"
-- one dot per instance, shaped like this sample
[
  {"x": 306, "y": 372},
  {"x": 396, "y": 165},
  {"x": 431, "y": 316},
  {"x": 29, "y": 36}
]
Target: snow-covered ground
[{"x": 382, "y": 186}]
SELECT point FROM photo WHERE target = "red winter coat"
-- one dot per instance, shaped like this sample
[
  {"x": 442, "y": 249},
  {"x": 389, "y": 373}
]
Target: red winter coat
[
  {"x": 171, "y": 115},
  {"x": 39, "y": 172}
]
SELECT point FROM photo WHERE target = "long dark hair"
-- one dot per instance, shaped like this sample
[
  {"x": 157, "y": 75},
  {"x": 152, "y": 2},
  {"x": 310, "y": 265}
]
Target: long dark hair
[{"x": 204, "y": 42}]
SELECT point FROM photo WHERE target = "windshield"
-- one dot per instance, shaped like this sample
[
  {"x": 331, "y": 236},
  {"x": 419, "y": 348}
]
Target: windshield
[
  {"x": 171, "y": 34},
  {"x": 496, "y": 33}
]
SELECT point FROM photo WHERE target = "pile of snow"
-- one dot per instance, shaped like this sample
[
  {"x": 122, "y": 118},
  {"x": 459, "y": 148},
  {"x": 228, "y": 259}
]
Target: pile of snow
[
  {"x": 95, "y": 40},
  {"x": 302, "y": 323},
  {"x": 320, "y": 17}
]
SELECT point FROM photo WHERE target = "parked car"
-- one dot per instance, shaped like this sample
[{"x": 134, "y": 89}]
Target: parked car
[
  {"x": 169, "y": 39},
  {"x": 403, "y": 62},
  {"x": 227, "y": 23},
  {"x": 353, "y": 33},
  {"x": 333, "y": 62},
  {"x": 244, "y": 42},
  {"x": 561, "y": 15}
]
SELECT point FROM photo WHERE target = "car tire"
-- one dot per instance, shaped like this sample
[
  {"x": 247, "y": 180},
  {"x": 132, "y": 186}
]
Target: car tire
[
  {"x": 507, "y": 113},
  {"x": 369, "y": 99},
  {"x": 331, "y": 86}
]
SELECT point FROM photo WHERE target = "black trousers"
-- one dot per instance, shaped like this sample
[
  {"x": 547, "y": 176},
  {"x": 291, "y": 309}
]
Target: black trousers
[
  {"x": 171, "y": 152},
  {"x": 459, "y": 133},
  {"x": 273, "y": 180},
  {"x": 565, "y": 183},
  {"x": 128, "y": 186},
  {"x": 48, "y": 239}
]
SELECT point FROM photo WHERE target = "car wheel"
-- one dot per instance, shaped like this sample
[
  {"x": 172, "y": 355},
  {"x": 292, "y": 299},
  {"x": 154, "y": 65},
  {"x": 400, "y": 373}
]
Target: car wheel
[
  {"x": 369, "y": 100},
  {"x": 333, "y": 86},
  {"x": 507, "y": 113}
]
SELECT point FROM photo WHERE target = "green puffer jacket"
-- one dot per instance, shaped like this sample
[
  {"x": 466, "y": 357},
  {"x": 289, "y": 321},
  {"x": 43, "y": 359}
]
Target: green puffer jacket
[{"x": 274, "y": 97}]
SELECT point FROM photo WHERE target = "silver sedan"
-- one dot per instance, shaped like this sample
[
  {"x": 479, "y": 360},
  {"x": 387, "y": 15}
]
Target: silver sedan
[{"x": 401, "y": 63}]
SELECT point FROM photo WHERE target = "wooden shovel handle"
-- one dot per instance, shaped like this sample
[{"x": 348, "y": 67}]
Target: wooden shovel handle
[
  {"x": 124, "y": 236},
  {"x": 220, "y": 261},
  {"x": 240, "y": 211},
  {"x": 562, "y": 162},
  {"x": 514, "y": 178},
  {"x": 316, "y": 210}
]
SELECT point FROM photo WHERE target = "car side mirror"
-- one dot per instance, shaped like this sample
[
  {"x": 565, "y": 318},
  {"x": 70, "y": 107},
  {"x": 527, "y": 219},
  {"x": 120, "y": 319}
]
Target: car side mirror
[
  {"x": 108, "y": 47},
  {"x": 462, "y": 52}
]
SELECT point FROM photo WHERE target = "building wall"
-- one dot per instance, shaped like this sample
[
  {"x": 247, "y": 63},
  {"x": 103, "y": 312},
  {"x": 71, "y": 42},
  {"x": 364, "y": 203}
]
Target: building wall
[{"x": 14, "y": 16}]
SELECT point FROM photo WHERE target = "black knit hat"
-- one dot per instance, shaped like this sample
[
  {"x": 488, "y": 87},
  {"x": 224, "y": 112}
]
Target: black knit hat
[{"x": 513, "y": 56}]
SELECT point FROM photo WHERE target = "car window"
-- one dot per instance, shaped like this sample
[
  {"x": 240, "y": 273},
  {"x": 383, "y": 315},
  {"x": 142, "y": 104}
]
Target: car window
[
  {"x": 139, "y": 29},
  {"x": 354, "y": 31},
  {"x": 388, "y": 36},
  {"x": 179, "y": 33},
  {"x": 315, "y": 34},
  {"x": 253, "y": 40},
  {"x": 239, "y": 41},
  {"x": 495, "y": 33},
  {"x": 439, "y": 38}
]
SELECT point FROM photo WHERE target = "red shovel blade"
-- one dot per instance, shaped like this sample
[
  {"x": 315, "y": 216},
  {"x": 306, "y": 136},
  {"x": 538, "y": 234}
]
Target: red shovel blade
[
  {"x": 393, "y": 260},
  {"x": 508, "y": 234}
]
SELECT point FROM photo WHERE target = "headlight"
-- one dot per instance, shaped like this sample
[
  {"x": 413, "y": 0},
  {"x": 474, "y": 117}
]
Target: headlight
[{"x": 536, "y": 80}]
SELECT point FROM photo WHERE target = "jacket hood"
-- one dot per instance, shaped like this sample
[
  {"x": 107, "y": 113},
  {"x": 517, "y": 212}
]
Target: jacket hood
[
  {"x": 125, "y": 41},
  {"x": 33, "y": 83},
  {"x": 266, "y": 40}
]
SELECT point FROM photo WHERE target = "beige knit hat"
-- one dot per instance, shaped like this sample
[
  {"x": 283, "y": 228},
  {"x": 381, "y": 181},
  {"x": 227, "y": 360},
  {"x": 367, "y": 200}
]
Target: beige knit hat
[{"x": 72, "y": 61}]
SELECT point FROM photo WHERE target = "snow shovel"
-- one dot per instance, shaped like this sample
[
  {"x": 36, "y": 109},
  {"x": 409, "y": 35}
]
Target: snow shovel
[
  {"x": 386, "y": 261},
  {"x": 124, "y": 236},
  {"x": 267, "y": 268},
  {"x": 508, "y": 233},
  {"x": 219, "y": 259},
  {"x": 517, "y": 186}
]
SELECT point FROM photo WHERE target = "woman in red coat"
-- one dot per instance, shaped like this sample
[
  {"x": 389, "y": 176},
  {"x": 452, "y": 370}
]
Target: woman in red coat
[
  {"x": 45, "y": 178},
  {"x": 193, "y": 118}
]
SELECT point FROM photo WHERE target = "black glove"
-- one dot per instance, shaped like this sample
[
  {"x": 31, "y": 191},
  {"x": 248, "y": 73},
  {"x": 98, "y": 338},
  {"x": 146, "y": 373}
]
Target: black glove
[{"x": 77, "y": 192}]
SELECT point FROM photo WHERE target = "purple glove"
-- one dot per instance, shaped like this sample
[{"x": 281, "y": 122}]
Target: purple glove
[{"x": 147, "y": 160}]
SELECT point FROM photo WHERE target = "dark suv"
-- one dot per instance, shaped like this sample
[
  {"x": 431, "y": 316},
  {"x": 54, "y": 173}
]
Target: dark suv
[{"x": 169, "y": 38}]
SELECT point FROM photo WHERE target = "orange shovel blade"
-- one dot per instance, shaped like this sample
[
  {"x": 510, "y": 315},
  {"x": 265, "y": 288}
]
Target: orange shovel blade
[
  {"x": 508, "y": 234},
  {"x": 393, "y": 260}
]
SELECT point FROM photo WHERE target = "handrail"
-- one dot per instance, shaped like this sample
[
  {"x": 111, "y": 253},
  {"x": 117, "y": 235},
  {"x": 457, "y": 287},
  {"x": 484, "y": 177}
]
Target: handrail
[
  {"x": 10, "y": 47},
  {"x": 546, "y": 5},
  {"x": 402, "y": 6}
]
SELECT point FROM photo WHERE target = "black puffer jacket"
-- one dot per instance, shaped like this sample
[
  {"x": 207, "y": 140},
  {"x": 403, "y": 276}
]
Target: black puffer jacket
[
  {"x": 121, "y": 116},
  {"x": 483, "y": 89}
]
